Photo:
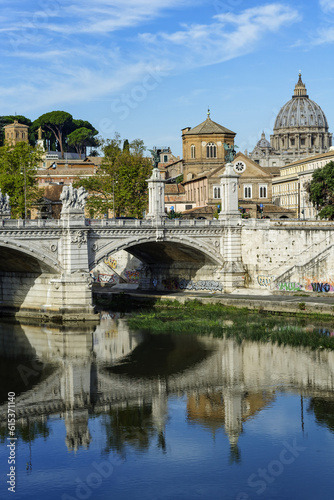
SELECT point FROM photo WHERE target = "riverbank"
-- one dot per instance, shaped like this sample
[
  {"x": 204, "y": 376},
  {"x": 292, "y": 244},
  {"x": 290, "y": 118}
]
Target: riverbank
[{"x": 285, "y": 304}]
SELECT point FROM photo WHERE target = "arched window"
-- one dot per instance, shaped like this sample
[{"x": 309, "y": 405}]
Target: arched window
[
  {"x": 211, "y": 150},
  {"x": 216, "y": 192},
  {"x": 192, "y": 151}
]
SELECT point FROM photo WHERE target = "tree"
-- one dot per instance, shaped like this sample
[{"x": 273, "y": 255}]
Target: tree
[
  {"x": 321, "y": 191},
  {"x": 120, "y": 183},
  {"x": 18, "y": 166},
  {"x": 137, "y": 147},
  {"x": 59, "y": 123},
  {"x": 80, "y": 138}
]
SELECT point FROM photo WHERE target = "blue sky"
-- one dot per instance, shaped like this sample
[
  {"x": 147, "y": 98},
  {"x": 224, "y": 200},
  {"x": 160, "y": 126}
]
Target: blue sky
[{"x": 148, "y": 68}]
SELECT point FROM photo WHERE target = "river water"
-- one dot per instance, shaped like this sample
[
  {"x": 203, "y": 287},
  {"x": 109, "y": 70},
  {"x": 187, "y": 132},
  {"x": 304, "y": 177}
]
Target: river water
[{"x": 108, "y": 413}]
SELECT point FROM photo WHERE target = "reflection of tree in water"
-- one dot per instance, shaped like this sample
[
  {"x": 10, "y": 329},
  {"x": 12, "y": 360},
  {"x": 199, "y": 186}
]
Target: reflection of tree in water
[
  {"x": 131, "y": 426},
  {"x": 323, "y": 410},
  {"x": 27, "y": 430}
]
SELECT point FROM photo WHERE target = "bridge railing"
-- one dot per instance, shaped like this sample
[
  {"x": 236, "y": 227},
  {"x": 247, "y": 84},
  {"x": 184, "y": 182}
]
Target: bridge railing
[
  {"x": 21, "y": 223},
  {"x": 164, "y": 222},
  {"x": 150, "y": 223}
]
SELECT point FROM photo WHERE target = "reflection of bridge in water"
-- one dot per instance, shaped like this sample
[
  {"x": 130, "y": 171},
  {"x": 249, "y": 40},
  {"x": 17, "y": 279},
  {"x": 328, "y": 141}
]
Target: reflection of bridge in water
[{"x": 90, "y": 373}]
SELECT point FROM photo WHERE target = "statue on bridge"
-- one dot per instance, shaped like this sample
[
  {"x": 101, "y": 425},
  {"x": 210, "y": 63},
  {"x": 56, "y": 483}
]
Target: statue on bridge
[
  {"x": 73, "y": 198},
  {"x": 4, "y": 206}
]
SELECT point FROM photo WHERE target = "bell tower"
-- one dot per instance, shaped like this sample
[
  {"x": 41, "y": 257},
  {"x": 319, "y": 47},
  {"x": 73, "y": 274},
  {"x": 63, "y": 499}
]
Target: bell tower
[{"x": 16, "y": 132}]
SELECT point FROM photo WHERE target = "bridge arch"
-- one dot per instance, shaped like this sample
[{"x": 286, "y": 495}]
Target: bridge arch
[
  {"x": 19, "y": 257},
  {"x": 166, "y": 250}
]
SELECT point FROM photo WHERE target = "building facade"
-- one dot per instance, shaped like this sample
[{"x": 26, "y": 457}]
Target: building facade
[
  {"x": 204, "y": 193},
  {"x": 290, "y": 188}
]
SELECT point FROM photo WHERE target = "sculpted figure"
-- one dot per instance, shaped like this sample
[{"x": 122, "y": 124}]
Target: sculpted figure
[
  {"x": 73, "y": 198},
  {"x": 230, "y": 152},
  {"x": 82, "y": 197}
]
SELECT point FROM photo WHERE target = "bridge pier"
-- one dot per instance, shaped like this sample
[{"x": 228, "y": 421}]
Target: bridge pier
[{"x": 233, "y": 269}]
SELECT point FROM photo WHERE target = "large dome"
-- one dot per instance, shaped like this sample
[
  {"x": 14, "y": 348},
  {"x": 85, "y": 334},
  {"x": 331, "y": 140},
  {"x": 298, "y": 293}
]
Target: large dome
[{"x": 301, "y": 112}]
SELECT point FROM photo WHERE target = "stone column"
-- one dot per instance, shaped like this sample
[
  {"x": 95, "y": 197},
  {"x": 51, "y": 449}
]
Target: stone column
[
  {"x": 233, "y": 269},
  {"x": 156, "y": 195},
  {"x": 229, "y": 194}
]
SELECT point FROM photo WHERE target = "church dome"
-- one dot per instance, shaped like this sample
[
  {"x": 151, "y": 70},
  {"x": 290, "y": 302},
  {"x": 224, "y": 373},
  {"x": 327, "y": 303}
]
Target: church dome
[
  {"x": 263, "y": 142},
  {"x": 300, "y": 112}
]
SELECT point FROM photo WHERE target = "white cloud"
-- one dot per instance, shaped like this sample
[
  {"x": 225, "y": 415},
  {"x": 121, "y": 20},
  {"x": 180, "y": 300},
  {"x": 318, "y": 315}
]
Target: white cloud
[
  {"x": 324, "y": 35},
  {"x": 229, "y": 36},
  {"x": 327, "y": 5},
  {"x": 77, "y": 17},
  {"x": 72, "y": 54}
]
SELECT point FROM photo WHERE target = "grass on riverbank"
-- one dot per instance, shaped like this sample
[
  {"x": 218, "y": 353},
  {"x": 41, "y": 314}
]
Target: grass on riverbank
[{"x": 241, "y": 324}]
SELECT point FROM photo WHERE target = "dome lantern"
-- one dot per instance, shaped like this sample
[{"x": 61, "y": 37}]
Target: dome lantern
[{"x": 300, "y": 90}]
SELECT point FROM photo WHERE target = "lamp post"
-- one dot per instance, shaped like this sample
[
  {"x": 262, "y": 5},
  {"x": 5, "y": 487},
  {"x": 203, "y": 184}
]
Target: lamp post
[
  {"x": 25, "y": 194},
  {"x": 113, "y": 196},
  {"x": 25, "y": 190}
]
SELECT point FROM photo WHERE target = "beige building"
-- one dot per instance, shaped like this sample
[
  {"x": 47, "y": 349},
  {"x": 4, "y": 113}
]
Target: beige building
[
  {"x": 300, "y": 130},
  {"x": 254, "y": 189},
  {"x": 289, "y": 189},
  {"x": 203, "y": 148},
  {"x": 16, "y": 132}
]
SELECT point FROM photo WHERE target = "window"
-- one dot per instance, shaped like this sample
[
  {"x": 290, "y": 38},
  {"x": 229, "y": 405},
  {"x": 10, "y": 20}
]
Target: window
[
  {"x": 292, "y": 142},
  {"x": 247, "y": 191},
  {"x": 302, "y": 142},
  {"x": 165, "y": 158},
  {"x": 192, "y": 151},
  {"x": 216, "y": 192},
  {"x": 211, "y": 150},
  {"x": 263, "y": 190}
]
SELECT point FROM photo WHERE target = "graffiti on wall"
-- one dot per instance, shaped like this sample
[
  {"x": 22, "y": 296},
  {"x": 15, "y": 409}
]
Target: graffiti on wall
[
  {"x": 184, "y": 284},
  {"x": 132, "y": 276},
  {"x": 265, "y": 280},
  {"x": 316, "y": 284},
  {"x": 289, "y": 287},
  {"x": 111, "y": 279},
  {"x": 112, "y": 263}
]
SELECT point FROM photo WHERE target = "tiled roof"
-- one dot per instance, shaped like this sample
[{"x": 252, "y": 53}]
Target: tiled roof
[
  {"x": 208, "y": 127},
  {"x": 174, "y": 189}
]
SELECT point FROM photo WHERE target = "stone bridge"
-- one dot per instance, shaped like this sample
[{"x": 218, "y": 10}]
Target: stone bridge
[{"x": 46, "y": 265}]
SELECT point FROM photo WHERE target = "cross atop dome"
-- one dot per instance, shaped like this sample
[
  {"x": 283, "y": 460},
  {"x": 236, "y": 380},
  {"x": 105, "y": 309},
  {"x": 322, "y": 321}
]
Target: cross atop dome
[{"x": 300, "y": 90}]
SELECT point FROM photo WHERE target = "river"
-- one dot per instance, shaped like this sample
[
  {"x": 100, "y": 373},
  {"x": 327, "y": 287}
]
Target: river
[{"x": 108, "y": 413}]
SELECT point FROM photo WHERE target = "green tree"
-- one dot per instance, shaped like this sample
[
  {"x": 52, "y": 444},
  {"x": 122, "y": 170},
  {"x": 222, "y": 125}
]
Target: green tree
[
  {"x": 80, "y": 139},
  {"x": 137, "y": 147},
  {"x": 120, "y": 183},
  {"x": 18, "y": 166},
  {"x": 59, "y": 123},
  {"x": 321, "y": 191}
]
